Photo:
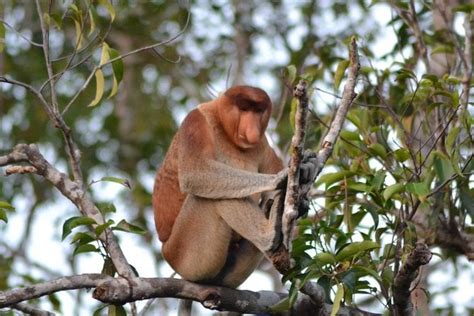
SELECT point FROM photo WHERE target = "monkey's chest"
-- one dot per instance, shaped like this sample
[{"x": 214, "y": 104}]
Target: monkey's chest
[{"x": 238, "y": 159}]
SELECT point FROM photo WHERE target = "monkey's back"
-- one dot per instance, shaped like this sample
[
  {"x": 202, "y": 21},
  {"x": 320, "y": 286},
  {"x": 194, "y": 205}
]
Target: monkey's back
[{"x": 167, "y": 197}]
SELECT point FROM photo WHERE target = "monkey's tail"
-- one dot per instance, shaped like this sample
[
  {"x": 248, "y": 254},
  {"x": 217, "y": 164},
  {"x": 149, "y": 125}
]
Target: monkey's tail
[{"x": 185, "y": 307}]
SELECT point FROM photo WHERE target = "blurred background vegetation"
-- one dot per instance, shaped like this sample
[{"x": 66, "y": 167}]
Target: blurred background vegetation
[{"x": 407, "y": 107}]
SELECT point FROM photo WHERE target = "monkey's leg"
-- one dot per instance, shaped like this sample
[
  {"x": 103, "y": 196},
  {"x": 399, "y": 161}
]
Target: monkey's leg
[
  {"x": 247, "y": 219},
  {"x": 242, "y": 260},
  {"x": 199, "y": 242}
]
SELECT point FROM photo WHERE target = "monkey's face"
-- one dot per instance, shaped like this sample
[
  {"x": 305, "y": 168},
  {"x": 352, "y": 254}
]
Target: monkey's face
[
  {"x": 244, "y": 113},
  {"x": 244, "y": 127}
]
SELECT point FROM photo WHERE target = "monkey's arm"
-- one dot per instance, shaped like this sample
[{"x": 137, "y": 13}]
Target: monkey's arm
[{"x": 202, "y": 175}]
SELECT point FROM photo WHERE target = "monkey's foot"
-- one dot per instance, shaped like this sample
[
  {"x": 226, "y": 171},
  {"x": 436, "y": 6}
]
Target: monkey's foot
[{"x": 281, "y": 259}]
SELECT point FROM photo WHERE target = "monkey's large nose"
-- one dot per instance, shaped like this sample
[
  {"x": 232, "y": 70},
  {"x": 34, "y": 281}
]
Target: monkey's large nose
[{"x": 252, "y": 135}]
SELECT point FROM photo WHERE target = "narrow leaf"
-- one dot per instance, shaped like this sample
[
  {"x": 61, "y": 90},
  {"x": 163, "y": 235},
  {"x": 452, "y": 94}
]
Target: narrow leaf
[
  {"x": 451, "y": 138},
  {"x": 79, "y": 35},
  {"x": 324, "y": 258},
  {"x": 401, "y": 154},
  {"x": 3, "y": 216},
  {"x": 74, "y": 222},
  {"x": 291, "y": 71},
  {"x": 124, "y": 226},
  {"x": 105, "y": 56},
  {"x": 6, "y": 206},
  {"x": 100, "y": 228},
  {"x": 99, "y": 89},
  {"x": 92, "y": 22},
  {"x": 348, "y": 135},
  {"x": 82, "y": 238},
  {"x": 109, "y": 7},
  {"x": 337, "y": 300},
  {"x": 393, "y": 189},
  {"x": 121, "y": 181},
  {"x": 84, "y": 248},
  {"x": 117, "y": 67},
  {"x": 378, "y": 149},
  {"x": 420, "y": 189},
  {"x": 2, "y": 36}
]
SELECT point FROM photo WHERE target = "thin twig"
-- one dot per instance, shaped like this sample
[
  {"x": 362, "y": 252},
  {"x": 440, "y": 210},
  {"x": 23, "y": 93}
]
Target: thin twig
[{"x": 21, "y": 35}]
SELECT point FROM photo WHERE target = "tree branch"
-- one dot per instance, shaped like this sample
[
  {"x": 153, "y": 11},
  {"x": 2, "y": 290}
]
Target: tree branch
[
  {"x": 348, "y": 97},
  {"x": 120, "y": 291},
  {"x": 421, "y": 255},
  {"x": 297, "y": 144}
]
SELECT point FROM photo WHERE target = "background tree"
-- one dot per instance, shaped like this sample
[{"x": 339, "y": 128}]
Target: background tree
[{"x": 400, "y": 174}]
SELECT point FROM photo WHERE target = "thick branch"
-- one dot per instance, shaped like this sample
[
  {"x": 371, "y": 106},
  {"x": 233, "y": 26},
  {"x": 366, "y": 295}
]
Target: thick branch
[
  {"x": 83, "y": 281},
  {"x": 421, "y": 255},
  {"x": 121, "y": 291}
]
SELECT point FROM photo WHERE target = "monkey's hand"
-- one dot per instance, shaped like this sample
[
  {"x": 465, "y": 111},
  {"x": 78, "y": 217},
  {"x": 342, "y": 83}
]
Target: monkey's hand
[
  {"x": 281, "y": 179},
  {"x": 308, "y": 166},
  {"x": 307, "y": 174}
]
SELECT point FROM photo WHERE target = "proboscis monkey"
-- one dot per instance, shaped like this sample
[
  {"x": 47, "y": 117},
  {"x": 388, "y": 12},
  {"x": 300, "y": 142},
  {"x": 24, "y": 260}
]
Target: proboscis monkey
[{"x": 206, "y": 197}]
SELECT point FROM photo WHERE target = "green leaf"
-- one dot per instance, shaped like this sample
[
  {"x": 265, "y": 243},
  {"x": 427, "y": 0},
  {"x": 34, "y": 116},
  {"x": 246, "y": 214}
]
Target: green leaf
[
  {"x": 106, "y": 208},
  {"x": 85, "y": 248},
  {"x": 74, "y": 222},
  {"x": 466, "y": 8},
  {"x": 420, "y": 189},
  {"x": 82, "y": 238},
  {"x": 401, "y": 154},
  {"x": 359, "y": 187},
  {"x": 368, "y": 271},
  {"x": 117, "y": 72},
  {"x": 79, "y": 34},
  {"x": 405, "y": 73},
  {"x": 333, "y": 177},
  {"x": 378, "y": 149},
  {"x": 3, "y": 215},
  {"x": 467, "y": 200},
  {"x": 368, "y": 245},
  {"x": 92, "y": 22},
  {"x": 451, "y": 138},
  {"x": 348, "y": 135},
  {"x": 108, "y": 268},
  {"x": 6, "y": 206},
  {"x": 2, "y": 37},
  {"x": 123, "y": 225},
  {"x": 100, "y": 228},
  {"x": 443, "y": 167},
  {"x": 117, "y": 310},
  {"x": 105, "y": 55},
  {"x": 291, "y": 73},
  {"x": 341, "y": 68},
  {"x": 348, "y": 252},
  {"x": 109, "y": 7},
  {"x": 55, "y": 302},
  {"x": 117, "y": 65},
  {"x": 121, "y": 181},
  {"x": 337, "y": 299},
  {"x": 281, "y": 306},
  {"x": 392, "y": 190},
  {"x": 353, "y": 249},
  {"x": 99, "y": 87},
  {"x": 324, "y": 258}
]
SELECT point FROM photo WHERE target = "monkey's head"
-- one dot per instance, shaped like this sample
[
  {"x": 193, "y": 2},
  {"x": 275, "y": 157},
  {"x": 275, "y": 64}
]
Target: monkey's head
[{"x": 244, "y": 112}]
